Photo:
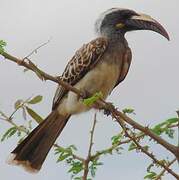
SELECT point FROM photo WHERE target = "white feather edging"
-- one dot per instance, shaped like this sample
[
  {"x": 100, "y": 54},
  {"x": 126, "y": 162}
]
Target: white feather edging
[{"x": 24, "y": 164}]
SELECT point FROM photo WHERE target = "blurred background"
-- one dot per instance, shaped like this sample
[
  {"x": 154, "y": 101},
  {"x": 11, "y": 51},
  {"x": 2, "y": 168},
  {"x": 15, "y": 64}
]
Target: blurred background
[{"x": 151, "y": 87}]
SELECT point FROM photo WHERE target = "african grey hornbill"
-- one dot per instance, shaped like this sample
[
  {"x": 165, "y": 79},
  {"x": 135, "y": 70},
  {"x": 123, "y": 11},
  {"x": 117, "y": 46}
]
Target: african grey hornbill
[{"x": 99, "y": 65}]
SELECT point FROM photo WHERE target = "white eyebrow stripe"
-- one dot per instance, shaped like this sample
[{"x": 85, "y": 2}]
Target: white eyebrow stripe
[
  {"x": 102, "y": 16},
  {"x": 144, "y": 17}
]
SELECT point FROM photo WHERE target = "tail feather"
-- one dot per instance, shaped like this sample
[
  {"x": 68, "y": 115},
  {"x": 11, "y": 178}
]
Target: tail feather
[{"x": 32, "y": 151}]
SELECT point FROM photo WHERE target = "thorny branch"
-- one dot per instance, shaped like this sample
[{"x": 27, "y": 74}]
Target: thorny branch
[
  {"x": 133, "y": 138},
  {"x": 117, "y": 114},
  {"x": 159, "y": 177}
]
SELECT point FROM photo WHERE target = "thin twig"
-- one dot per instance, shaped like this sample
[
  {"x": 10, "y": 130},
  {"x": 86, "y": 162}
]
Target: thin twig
[
  {"x": 92, "y": 136},
  {"x": 164, "y": 170},
  {"x": 113, "y": 147},
  {"x": 178, "y": 126},
  {"x": 87, "y": 160},
  {"x": 19, "y": 107},
  {"x": 36, "y": 49}
]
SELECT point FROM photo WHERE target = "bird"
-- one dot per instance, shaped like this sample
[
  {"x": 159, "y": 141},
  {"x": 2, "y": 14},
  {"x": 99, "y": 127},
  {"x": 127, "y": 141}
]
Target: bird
[{"x": 98, "y": 66}]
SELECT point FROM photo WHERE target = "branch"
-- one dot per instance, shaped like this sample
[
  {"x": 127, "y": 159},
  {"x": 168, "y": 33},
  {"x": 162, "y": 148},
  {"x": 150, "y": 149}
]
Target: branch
[
  {"x": 164, "y": 170},
  {"x": 113, "y": 147},
  {"x": 121, "y": 116},
  {"x": 150, "y": 155},
  {"x": 88, "y": 159},
  {"x": 115, "y": 113},
  {"x": 43, "y": 75}
]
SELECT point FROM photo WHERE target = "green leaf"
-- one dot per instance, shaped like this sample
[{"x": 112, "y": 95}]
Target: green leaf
[
  {"x": 170, "y": 133},
  {"x": 158, "y": 129},
  {"x": 3, "y": 114},
  {"x": 132, "y": 146},
  {"x": 78, "y": 178},
  {"x": 2, "y": 45},
  {"x": 90, "y": 101},
  {"x": 18, "y": 103},
  {"x": 173, "y": 120},
  {"x": 151, "y": 175},
  {"x": 35, "y": 100},
  {"x": 34, "y": 115},
  {"x": 164, "y": 127},
  {"x": 128, "y": 111},
  {"x": 76, "y": 167},
  {"x": 62, "y": 157},
  {"x": 10, "y": 132},
  {"x": 64, "y": 153},
  {"x": 116, "y": 139},
  {"x": 93, "y": 167}
]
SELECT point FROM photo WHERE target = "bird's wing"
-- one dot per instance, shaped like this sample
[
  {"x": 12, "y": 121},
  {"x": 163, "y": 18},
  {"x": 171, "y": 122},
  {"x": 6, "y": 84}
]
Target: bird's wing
[
  {"x": 124, "y": 68},
  {"x": 83, "y": 60}
]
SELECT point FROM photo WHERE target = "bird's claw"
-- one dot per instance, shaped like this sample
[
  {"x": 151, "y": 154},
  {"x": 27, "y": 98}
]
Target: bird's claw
[
  {"x": 107, "y": 108},
  {"x": 84, "y": 94}
]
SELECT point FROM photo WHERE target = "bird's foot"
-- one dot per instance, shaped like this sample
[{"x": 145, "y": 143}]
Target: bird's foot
[
  {"x": 84, "y": 94},
  {"x": 107, "y": 109}
]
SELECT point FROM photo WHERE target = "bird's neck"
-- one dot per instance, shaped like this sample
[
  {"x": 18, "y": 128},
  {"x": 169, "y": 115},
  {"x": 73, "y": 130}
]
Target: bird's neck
[{"x": 115, "y": 37}]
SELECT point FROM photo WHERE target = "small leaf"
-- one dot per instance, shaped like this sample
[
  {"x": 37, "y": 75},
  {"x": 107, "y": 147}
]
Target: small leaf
[
  {"x": 73, "y": 147},
  {"x": 76, "y": 167},
  {"x": 18, "y": 103},
  {"x": 2, "y": 45},
  {"x": 90, "y": 101},
  {"x": 116, "y": 139},
  {"x": 35, "y": 100},
  {"x": 78, "y": 178},
  {"x": 170, "y": 133},
  {"x": 150, "y": 175},
  {"x": 173, "y": 120},
  {"x": 62, "y": 157},
  {"x": 128, "y": 111},
  {"x": 2, "y": 114},
  {"x": 34, "y": 115},
  {"x": 132, "y": 147},
  {"x": 10, "y": 132}
]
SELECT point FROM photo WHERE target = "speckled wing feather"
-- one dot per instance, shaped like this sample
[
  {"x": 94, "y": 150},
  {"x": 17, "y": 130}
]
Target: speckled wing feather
[{"x": 83, "y": 60}]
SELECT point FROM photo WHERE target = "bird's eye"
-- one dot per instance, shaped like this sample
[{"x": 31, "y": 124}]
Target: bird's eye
[{"x": 120, "y": 25}]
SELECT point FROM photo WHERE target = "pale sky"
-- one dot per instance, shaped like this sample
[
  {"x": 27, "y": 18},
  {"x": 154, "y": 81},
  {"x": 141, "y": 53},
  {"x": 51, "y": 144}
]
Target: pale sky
[{"x": 151, "y": 86}]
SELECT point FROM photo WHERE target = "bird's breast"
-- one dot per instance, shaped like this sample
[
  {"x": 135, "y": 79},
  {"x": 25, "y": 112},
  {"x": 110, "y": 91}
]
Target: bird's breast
[{"x": 101, "y": 78}]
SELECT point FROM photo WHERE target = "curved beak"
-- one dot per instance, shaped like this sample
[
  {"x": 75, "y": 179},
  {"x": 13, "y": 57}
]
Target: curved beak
[{"x": 145, "y": 22}]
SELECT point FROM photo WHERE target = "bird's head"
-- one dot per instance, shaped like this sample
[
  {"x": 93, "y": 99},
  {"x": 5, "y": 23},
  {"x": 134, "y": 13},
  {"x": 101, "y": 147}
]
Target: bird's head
[{"x": 120, "y": 21}]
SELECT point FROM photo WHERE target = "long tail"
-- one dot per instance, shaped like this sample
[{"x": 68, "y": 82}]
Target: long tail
[{"x": 32, "y": 151}]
